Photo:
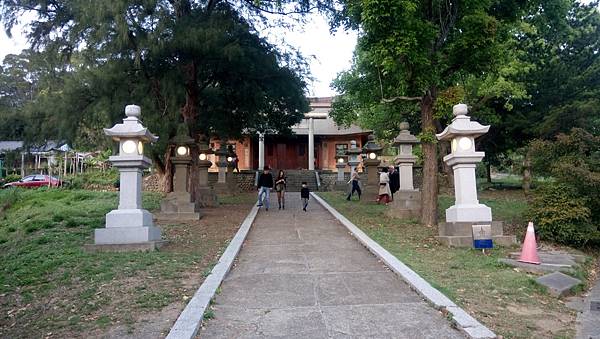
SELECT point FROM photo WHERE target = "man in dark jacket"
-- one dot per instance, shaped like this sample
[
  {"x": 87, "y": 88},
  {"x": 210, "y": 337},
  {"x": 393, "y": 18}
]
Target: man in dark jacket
[
  {"x": 265, "y": 184},
  {"x": 394, "y": 180}
]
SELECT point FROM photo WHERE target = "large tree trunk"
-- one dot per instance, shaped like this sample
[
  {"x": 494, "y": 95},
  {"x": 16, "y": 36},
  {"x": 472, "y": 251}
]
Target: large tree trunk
[
  {"x": 488, "y": 172},
  {"x": 165, "y": 171},
  {"x": 430, "y": 163},
  {"x": 527, "y": 172},
  {"x": 449, "y": 173}
]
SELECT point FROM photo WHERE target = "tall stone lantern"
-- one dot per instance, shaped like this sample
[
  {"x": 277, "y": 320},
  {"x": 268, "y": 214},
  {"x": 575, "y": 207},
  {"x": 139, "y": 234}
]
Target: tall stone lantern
[
  {"x": 372, "y": 151},
  {"x": 221, "y": 185},
  {"x": 340, "y": 183},
  {"x": 407, "y": 201},
  {"x": 205, "y": 194},
  {"x": 463, "y": 158},
  {"x": 129, "y": 227},
  {"x": 353, "y": 154},
  {"x": 178, "y": 204}
]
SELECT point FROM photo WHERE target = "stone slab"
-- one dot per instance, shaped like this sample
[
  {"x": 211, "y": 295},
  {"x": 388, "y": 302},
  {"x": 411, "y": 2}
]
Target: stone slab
[
  {"x": 139, "y": 247},
  {"x": 533, "y": 268},
  {"x": 555, "y": 258},
  {"x": 467, "y": 241},
  {"x": 407, "y": 320},
  {"x": 126, "y": 235},
  {"x": 300, "y": 322},
  {"x": 558, "y": 284},
  {"x": 177, "y": 216}
]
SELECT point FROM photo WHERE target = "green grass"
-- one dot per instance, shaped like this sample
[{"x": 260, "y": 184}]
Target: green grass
[
  {"x": 486, "y": 288},
  {"x": 42, "y": 233}
]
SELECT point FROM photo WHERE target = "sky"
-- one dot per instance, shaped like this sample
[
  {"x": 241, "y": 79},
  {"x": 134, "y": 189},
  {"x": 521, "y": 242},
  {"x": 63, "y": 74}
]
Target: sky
[{"x": 327, "y": 54}]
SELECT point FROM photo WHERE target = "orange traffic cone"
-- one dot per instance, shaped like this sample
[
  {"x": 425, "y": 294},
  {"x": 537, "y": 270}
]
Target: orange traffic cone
[{"x": 529, "y": 252}]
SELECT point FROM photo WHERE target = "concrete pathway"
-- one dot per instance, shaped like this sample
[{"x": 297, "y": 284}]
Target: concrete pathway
[
  {"x": 301, "y": 275},
  {"x": 588, "y": 320}
]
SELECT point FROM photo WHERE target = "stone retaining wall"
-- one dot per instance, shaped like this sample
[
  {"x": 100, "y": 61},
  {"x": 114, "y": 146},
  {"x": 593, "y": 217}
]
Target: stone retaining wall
[{"x": 245, "y": 180}]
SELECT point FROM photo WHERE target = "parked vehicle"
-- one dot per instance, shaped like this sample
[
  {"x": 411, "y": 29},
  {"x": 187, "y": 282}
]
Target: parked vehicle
[{"x": 35, "y": 180}]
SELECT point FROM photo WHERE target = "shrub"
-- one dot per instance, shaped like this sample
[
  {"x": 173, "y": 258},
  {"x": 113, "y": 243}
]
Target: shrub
[
  {"x": 572, "y": 206},
  {"x": 562, "y": 215}
]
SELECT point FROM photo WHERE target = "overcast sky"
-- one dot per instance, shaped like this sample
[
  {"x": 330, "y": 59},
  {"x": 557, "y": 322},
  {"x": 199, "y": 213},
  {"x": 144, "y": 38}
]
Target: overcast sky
[{"x": 328, "y": 54}]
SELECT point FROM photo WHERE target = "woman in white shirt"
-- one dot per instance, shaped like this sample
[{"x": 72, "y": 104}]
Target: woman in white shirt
[{"x": 384, "y": 187}]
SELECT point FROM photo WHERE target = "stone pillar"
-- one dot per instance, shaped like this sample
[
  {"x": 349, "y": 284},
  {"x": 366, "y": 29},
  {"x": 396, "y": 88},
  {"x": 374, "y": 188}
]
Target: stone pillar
[
  {"x": 23, "y": 165},
  {"x": 467, "y": 211},
  {"x": 129, "y": 227},
  {"x": 371, "y": 162},
  {"x": 178, "y": 205},
  {"x": 341, "y": 183},
  {"x": 206, "y": 196},
  {"x": 130, "y": 199},
  {"x": 261, "y": 151},
  {"x": 311, "y": 144}
]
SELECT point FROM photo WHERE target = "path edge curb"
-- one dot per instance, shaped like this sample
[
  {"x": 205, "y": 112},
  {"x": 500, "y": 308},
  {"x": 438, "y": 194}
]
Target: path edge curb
[
  {"x": 463, "y": 321},
  {"x": 189, "y": 321}
]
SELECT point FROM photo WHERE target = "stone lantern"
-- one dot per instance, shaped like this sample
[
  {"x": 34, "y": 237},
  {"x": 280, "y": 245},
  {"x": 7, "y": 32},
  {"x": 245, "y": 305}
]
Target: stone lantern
[
  {"x": 340, "y": 183},
  {"x": 222, "y": 154},
  {"x": 353, "y": 154},
  {"x": 463, "y": 158},
  {"x": 372, "y": 151},
  {"x": 178, "y": 204},
  {"x": 407, "y": 201},
  {"x": 205, "y": 195},
  {"x": 129, "y": 227}
]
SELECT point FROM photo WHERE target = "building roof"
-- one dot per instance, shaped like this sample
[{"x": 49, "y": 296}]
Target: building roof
[
  {"x": 8, "y": 146},
  {"x": 325, "y": 126}
]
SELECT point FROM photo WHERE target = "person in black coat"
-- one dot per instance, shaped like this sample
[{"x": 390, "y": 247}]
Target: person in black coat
[
  {"x": 394, "y": 180},
  {"x": 305, "y": 195},
  {"x": 265, "y": 184}
]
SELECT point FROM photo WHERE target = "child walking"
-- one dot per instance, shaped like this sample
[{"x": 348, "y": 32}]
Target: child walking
[{"x": 304, "y": 194}]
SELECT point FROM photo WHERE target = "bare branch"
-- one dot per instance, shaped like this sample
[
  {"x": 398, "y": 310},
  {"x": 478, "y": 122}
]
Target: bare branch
[{"x": 394, "y": 99}]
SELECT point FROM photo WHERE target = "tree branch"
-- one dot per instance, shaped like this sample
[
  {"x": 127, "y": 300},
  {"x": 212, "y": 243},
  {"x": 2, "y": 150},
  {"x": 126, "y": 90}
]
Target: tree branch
[{"x": 401, "y": 97}]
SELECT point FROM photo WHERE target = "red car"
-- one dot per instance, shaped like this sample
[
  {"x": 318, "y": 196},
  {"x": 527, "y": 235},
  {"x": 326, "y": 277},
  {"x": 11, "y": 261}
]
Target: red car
[{"x": 36, "y": 180}]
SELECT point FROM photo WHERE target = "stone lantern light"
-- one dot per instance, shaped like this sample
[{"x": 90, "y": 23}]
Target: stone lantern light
[
  {"x": 129, "y": 227},
  {"x": 178, "y": 204},
  {"x": 463, "y": 158},
  {"x": 372, "y": 151},
  {"x": 407, "y": 201}
]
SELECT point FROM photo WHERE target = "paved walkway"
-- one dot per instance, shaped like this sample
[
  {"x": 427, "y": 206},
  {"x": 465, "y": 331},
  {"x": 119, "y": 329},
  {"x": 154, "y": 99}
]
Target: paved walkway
[{"x": 301, "y": 275}]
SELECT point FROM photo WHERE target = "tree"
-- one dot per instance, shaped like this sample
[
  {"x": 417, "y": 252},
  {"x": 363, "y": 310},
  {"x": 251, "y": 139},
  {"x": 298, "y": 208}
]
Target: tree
[
  {"x": 418, "y": 55},
  {"x": 200, "y": 62}
]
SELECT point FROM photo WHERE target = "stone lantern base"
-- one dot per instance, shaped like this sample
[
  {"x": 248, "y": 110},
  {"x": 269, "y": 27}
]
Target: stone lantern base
[
  {"x": 406, "y": 205},
  {"x": 139, "y": 234},
  {"x": 460, "y": 234},
  {"x": 178, "y": 206},
  {"x": 206, "y": 197}
]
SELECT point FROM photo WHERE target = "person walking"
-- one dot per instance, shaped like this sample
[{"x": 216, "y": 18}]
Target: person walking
[
  {"x": 280, "y": 186},
  {"x": 394, "y": 180},
  {"x": 384, "y": 187},
  {"x": 355, "y": 180},
  {"x": 304, "y": 194},
  {"x": 265, "y": 184}
]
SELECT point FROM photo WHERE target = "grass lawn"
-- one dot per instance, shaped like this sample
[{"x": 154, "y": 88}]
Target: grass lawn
[
  {"x": 50, "y": 287},
  {"x": 505, "y": 299}
]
